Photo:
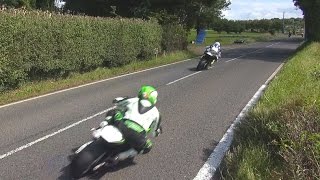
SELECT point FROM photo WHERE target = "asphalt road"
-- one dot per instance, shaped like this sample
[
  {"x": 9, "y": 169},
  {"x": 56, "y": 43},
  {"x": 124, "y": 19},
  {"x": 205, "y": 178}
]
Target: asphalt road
[{"x": 197, "y": 108}]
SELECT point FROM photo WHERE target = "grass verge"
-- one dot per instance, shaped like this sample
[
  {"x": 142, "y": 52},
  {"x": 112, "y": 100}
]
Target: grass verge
[
  {"x": 43, "y": 87},
  {"x": 280, "y": 138},
  {"x": 227, "y": 39}
]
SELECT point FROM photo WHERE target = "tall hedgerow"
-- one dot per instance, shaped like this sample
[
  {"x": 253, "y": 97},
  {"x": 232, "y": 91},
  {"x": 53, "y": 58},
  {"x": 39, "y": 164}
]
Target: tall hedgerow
[{"x": 37, "y": 45}]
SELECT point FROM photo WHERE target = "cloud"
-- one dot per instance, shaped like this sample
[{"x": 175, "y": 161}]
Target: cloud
[{"x": 261, "y": 9}]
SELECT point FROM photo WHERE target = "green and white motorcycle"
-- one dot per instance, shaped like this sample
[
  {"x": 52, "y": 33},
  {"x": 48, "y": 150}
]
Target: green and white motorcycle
[{"x": 107, "y": 143}]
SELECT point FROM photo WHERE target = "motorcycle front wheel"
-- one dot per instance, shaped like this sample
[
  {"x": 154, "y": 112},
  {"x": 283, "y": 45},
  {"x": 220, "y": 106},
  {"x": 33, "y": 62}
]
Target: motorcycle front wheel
[
  {"x": 202, "y": 65},
  {"x": 86, "y": 159}
]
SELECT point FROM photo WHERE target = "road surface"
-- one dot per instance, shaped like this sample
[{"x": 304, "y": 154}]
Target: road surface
[{"x": 36, "y": 136}]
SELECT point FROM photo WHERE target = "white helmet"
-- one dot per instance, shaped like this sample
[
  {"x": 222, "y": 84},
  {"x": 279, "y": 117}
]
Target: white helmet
[{"x": 216, "y": 44}]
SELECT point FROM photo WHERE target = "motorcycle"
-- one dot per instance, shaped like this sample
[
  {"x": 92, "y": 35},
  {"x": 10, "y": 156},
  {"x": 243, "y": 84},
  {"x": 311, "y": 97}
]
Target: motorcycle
[
  {"x": 107, "y": 143},
  {"x": 210, "y": 56}
]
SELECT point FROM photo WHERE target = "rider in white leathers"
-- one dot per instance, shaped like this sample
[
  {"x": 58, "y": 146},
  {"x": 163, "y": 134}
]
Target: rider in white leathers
[
  {"x": 135, "y": 118},
  {"x": 216, "y": 47}
]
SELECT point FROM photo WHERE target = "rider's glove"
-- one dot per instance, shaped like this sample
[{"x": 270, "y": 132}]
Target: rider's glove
[{"x": 118, "y": 116}]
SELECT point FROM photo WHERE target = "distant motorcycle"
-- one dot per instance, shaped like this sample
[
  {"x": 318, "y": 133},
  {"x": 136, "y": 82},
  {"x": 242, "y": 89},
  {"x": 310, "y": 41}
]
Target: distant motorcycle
[{"x": 210, "y": 56}]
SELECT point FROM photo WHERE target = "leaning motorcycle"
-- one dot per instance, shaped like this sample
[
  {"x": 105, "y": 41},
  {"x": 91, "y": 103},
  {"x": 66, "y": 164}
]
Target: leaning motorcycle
[
  {"x": 107, "y": 143},
  {"x": 209, "y": 57}
]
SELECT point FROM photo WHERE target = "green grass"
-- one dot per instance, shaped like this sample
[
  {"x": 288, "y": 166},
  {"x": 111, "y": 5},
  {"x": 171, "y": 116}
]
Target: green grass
[
  {"x": 280, "y": 137},
  {"x": 42, "y": 87},
  {"x": 227, "y": 39},
  {"x": 246, "y": 166},
  {"x": 297, "y": 80}
]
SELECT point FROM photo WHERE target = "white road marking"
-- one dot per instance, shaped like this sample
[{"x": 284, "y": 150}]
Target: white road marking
[
  {"x": 235, "y": 58},
  {"x": 273, "y": 44},
  {"x": 50, "y": 135},
  {"x": 96, "y": 82},
  {"x": 183, "y": 78},
  {"x": 251, "y": 52},
  {"x": 212, "y": 164}
]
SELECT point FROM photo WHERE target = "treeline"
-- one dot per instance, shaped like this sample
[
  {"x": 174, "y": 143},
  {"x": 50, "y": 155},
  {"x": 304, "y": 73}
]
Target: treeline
[
  {"x": 294, "y": 25},
  {"x": 189, "y": 13},
  {"x": 29, "y": 4}
]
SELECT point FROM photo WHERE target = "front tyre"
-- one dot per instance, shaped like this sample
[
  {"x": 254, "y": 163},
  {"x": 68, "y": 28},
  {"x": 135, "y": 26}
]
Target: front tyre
[
  {"x": 201, "y": 65},
  {"x": 88, "y": 158}
]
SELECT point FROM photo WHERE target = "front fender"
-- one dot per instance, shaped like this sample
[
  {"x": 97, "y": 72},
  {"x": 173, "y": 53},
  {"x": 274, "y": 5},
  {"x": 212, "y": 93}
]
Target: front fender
[{"x": 82, "y": 147}]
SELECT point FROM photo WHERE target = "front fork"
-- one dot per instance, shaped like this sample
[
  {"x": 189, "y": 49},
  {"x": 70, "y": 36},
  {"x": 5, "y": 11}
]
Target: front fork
[{"x": 82, "y": 147}]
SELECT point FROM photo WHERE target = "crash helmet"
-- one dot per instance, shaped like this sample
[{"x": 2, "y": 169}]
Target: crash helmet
[
  {"x": 149, "y": 93},
  {"x": 216, "y": 44}
]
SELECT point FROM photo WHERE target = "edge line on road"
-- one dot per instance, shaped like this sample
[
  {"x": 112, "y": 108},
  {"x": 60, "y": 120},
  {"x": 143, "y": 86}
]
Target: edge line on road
[
  {"x": 213, "y": 162},
  {"x": 92, "y": 83},
  {"x": 52, "y": 134}
]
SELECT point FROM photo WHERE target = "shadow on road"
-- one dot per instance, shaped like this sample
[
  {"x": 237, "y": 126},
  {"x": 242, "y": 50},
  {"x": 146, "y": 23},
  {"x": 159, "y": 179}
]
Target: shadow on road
[
  {"x": 193, "y": 68},
  {"x": 207, "y": 151},
  {"x": 66, "y": 171},
  {"x": 66, "y": 175},
  {"x": 103, "y": 171}
]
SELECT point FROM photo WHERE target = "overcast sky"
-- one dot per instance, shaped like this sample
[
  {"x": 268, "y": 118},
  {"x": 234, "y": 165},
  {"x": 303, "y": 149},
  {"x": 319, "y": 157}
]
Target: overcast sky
[{"x": 261, "y": 9}]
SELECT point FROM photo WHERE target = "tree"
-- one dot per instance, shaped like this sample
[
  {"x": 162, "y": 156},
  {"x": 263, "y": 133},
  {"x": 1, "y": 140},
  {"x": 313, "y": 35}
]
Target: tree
[
  {"x": 217, "y": 25},
  {"x": 90, "y": 7},
  {"x": 32, "y": 4},
  {"x": 276, "y": 24},
  {"x": 44, "y": 4},
  {"x": 310, "y": 10},
  {"x": 18, "y": 3},
  {"x": 190, "y": 13}
]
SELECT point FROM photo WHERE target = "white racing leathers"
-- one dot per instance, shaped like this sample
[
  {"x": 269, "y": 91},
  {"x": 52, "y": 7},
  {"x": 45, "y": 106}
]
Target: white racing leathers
[
  {"x": 214, "y": 50},
  {"x": 142, "y": 113},
  {"x": 148, "y": 117}
]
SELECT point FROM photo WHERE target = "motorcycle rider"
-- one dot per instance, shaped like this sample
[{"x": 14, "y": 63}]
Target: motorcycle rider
[
  {"x": 214, "y": 48},
  {"x": 135, "y": 118}
]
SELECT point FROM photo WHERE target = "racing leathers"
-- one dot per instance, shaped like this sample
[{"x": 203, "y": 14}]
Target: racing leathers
[{"x": 135, "y": 118}]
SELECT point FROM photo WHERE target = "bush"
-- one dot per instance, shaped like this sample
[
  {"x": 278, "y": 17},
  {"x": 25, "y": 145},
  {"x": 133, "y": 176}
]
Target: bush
[
  {"x": 272, "y": 32},
  {"x": 174, "y": 37},
  {"x": 38, "y": 45}
]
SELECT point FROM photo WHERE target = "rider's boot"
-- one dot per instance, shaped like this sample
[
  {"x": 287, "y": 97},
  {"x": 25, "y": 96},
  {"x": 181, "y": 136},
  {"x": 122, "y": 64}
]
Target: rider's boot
[
  {"x": 147, "y": 147},
  {"x": 125, "y": 155}
]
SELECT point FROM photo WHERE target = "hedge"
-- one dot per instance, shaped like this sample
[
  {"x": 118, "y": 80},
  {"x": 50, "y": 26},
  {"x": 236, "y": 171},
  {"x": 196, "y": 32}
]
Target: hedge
[{"x": 38, "y": 45}]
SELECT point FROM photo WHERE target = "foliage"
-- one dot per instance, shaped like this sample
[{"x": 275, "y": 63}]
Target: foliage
[
  {"x": 190, "y": 13},
  {"x": 39, "y": 4},
  {"x": 174, "y": 37},
  {"x": 299, "y": 140},
  {"x": 36, "y": 45},
  {"x": 310, "y": 10},
  {"x": 264, "y": 25}
]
